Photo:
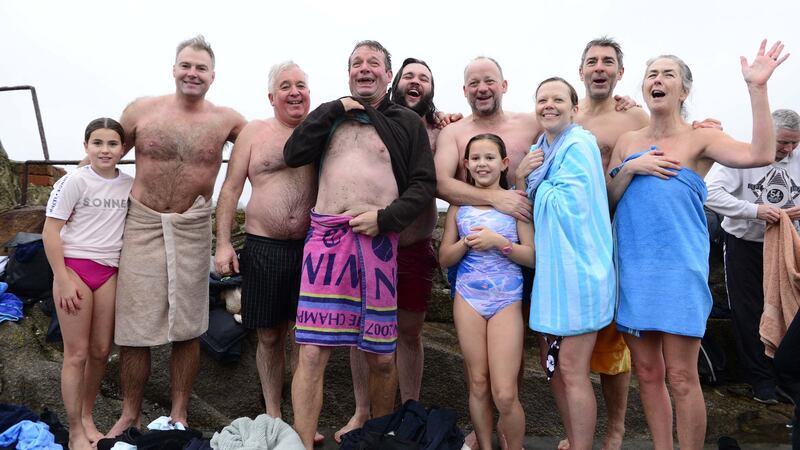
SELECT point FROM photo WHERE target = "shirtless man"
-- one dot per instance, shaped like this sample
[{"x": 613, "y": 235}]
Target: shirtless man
[
  {"x": 355, "y": 222},
  {"x": 413, "y": 88},
  {"x": 601, "y": 67},
  {"x": 276, "y": 224},
  {"x": 484, "y": 87},
  {"x": 162, "y": 297}
]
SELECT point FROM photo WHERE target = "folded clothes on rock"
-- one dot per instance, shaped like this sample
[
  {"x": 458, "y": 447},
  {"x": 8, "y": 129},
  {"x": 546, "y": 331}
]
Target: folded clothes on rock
[{"x": 10, "y": 307}]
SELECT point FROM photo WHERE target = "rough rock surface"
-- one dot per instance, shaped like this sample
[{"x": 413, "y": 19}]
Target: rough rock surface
[
  {"x": 29, "y": 375},
  {"x": 9, "y": 183}
]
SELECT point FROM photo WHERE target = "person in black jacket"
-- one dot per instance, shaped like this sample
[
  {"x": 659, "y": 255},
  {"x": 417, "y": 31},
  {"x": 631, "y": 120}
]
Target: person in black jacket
[{"x": 376, "y": 175}]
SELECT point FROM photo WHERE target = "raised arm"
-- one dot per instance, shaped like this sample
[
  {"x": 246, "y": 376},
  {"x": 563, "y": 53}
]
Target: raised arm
[
  {"x": 761, "y": 150},
  {"x": 225, "y": 260},
  {"x": 307, "y": 142},
  {"x": 457, "y": 192}
]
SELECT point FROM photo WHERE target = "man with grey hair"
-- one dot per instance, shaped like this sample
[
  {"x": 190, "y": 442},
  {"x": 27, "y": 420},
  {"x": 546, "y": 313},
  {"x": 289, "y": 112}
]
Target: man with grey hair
[
  {"x": 276, "y": 223},
  {"x": 348, "y": 282},
  {"x": 749, "y": 199},
  {"x": 162, "y": 286}
]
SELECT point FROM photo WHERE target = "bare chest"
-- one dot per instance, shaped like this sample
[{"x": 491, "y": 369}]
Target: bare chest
[
  {"x": 353, "y": 140},
  {"x": 606, "y": 128},
  {"x": 433, "y": 133},
  {"x": 185, "y": 142},
  {"x": 266, "y": 158},
  {"x": 683, "y": 148}
]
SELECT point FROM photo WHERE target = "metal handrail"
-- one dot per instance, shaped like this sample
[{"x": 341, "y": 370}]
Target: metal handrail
[{"x": 36, "y": 110}]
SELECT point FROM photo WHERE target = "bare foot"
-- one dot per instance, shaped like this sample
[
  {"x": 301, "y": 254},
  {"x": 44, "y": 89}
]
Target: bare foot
[
  {"x": 471, "y": 441},
  {"x": 181, "y": 421},
  {"x": 122, "y": 424},
  {"x": 563, "y": 444},
  {"x": 501, "y": 437},
  {"x": 318, "y": 438},
  {"x": 79, "y": 442},
  {"x": 357, "y": 421},
  {"x": 91, "y": 430},
  {"x": 612, "y": 441}
]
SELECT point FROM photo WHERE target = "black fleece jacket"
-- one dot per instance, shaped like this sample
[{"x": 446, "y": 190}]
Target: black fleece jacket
[{"x": 404, "y": 135}]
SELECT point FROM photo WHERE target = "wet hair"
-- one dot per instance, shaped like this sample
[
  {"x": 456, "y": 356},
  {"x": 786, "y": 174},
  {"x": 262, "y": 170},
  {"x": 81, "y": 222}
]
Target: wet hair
[
  {"x": 375, "y": 45},
  {"x": 573, "y": 94},
  {"x": 501, "y": 146},
  {"x": 786, "y": 118},
  {"x": 499, "y": 69},
  {"x": 426, "y": 107},
  {"x": 686, "y": 76},
  {"x": 604, "y": 41},
  {"x": 198, "y": 43},
  {"x": 278, "y": 69},
  {"x": 104, "y": 123}
]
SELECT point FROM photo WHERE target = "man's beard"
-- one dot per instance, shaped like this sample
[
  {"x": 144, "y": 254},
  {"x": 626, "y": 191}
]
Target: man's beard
[
  {"x": 488, "y": 112},
  {"x": 422, "y": 107}
]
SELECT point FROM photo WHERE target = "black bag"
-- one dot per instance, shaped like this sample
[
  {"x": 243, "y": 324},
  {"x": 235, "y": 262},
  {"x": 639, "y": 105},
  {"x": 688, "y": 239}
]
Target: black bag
[
  {"x": 711, "y": 362},
  {"x": 410, "y": 427},
  {"x": 442, "y": 432},
  {"x": 223, "y": 340},
  {"x": 28, "y": 273}
]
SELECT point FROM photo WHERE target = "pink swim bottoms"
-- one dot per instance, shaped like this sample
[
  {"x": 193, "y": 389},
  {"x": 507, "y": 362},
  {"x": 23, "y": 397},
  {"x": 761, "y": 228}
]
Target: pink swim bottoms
[{"x": 92, "y": 273}]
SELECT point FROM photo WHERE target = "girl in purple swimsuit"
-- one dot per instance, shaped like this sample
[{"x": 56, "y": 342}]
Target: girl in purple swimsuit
[
  {"x": 83, "y": 238},
  {"x": 488, "y": 247}
]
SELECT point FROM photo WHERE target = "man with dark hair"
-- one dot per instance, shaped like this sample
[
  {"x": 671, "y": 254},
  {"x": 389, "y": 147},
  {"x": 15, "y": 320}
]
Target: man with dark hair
[
  {"x": 601, "y": 113},
  {"x": 348, "y": 289},
  {"x": 600, "y": 70},
  {"x": 413, "y": 87},
  {"x": 162, "y": 288}
]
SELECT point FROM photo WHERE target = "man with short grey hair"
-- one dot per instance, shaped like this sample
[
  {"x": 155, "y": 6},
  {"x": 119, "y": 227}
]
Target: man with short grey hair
[
  {"x": 276, "y": 224},
  {"x": 749, "y": 199}
]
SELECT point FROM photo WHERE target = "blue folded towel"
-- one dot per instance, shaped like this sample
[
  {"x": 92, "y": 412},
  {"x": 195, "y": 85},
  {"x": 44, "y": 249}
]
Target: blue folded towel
[{"x": 10, "y": 307}]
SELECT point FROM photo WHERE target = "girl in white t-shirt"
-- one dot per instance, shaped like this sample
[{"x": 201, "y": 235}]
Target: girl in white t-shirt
[{"x": 83, "y": 238}]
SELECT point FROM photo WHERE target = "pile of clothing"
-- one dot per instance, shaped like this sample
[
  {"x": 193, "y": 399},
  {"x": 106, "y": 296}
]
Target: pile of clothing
[{"x": 22, "y": 429}]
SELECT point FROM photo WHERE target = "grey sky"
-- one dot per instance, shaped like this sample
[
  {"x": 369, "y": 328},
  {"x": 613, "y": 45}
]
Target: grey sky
[{"x": 90, "y": 58}]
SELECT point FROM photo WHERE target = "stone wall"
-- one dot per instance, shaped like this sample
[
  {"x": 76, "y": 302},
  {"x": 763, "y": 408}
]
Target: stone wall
[
  {"x": 40, "y": 182},
  {"x": 9, "y": 183}
]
